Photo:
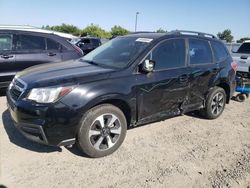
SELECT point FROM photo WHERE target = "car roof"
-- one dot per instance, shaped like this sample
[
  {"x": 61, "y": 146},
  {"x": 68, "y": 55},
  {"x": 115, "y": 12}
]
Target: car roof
[{"x": 35, "y": 29}]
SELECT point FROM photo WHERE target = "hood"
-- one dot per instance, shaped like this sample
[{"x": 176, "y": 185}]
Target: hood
[{"x": 73, "y": 71}]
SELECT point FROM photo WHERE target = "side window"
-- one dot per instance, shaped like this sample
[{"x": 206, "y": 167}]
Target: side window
[
  {"x": 30, "y": 43},
  {"x": 52, "y": 45},
  {"x": 199, "y": 52},
  {"x": 6, "y": 42},
  {"x": 169, "y": 54},
  {"x": 85, "y": 41},
  {"x": 96, "y": 42},
  {"x": 220, "y": 52}
]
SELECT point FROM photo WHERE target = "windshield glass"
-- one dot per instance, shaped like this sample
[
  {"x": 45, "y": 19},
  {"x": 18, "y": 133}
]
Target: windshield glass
[{"x": 118, "y": 52}]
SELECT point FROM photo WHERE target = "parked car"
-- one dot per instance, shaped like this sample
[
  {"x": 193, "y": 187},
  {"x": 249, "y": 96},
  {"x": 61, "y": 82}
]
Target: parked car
[
  {"x": 87, "y": 44},
  {"x": 242, "y": 57},
  {"x": 21, "y": 48},
  {"x": 126, "y": 82}
]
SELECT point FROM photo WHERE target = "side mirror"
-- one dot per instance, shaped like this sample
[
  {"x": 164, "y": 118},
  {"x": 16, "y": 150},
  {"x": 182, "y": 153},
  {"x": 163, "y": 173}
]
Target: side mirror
[
  {"x": 234, "y": 51},
  {"x": 80, "y": 44},
  {"x": 148, "y": 66}
]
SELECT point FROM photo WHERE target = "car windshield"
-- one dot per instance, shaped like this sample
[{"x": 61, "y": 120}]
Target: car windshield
[{"x": 117, "y": 53}]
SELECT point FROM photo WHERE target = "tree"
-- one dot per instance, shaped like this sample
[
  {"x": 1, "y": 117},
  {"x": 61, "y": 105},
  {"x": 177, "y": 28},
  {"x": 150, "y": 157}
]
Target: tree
[
  {"x": 118, "y": 31},
  {"x": 243, "y": 39},
  {"x": 65, "y": 28},
  {"x": 160, "y": 30},
  {"x": 95, "y": 31},
  {"x": 226, "y": 35}
]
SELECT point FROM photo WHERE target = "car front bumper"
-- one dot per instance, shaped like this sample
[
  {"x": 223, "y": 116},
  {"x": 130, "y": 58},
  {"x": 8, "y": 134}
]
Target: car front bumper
[{"x": 50, "y": 124}]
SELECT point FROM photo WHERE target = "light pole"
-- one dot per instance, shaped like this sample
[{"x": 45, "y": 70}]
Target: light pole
[{"x": 136, "y": 15}]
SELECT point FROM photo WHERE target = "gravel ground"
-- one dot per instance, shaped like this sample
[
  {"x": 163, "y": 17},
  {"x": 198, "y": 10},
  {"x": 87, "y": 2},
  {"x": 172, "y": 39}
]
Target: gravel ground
[{"x": 185, "y": 151}]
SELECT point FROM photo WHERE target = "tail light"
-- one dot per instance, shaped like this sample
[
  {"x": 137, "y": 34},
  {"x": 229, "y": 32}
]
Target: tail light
[
  {"x": 78, "y": 49},
  {"x": 234, "y": 66}
]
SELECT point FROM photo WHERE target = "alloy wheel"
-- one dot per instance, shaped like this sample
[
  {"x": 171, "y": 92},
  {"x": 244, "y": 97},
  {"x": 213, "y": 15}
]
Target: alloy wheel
[{"x": 105, "y": 131}]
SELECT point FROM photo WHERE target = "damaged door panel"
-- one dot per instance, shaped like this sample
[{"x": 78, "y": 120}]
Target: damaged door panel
[{"x": 162, "y": 94}]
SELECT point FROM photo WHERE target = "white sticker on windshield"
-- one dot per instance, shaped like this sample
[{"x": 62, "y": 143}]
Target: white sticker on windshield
[{"x": 147, "y": 40}]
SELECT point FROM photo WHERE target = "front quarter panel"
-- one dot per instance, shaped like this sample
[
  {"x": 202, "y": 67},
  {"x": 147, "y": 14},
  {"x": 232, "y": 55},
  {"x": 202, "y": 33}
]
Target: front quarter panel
[{"x": 87, "y": 95}]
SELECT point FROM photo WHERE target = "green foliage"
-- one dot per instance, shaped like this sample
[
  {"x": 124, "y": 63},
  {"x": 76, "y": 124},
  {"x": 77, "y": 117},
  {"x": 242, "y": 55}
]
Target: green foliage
[
  {"x": 65, "y": 28},
  {"x": 243, "y": 39},
  {"x": 95, "y": 31},
  {"x": 160, "y": 30},
  {"x": 226, "y": 35},
  {"x": 118, "y": 31}
]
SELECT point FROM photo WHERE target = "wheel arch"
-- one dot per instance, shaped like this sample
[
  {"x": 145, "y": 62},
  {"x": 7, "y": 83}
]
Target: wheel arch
[
  {"x": 226, "y": 88},
  {"x": 121, "y": 104}
]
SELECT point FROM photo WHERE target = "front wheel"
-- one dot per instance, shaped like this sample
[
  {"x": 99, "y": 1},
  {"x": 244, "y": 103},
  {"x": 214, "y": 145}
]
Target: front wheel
[
  {"x": 215, "y": 103},
  {"x": 102, "y": 130}
]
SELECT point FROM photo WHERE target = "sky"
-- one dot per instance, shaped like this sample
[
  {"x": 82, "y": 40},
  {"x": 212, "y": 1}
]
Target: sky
[{"x": 211, "y": 16}]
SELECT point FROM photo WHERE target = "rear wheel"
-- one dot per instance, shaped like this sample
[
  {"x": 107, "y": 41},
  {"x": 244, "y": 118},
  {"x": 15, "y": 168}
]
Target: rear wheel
[
  {"x": 215, "y": 103},
  {"x": 241, "y": 97},
  {"x": 102, "y": 130}
]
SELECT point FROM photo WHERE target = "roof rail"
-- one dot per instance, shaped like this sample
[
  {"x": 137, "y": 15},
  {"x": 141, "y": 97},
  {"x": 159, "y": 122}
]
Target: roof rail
[
  {"x": 139, "y": 32},
  {"x": 192, "y": 32}
]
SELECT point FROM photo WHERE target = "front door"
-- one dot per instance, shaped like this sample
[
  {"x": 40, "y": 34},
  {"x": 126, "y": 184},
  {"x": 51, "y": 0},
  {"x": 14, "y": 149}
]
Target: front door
[{"x": 164, "y": 91}]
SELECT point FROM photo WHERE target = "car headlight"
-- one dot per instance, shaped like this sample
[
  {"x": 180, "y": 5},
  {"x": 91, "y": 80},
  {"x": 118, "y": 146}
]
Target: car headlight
[{"x": 48, "y": 95}]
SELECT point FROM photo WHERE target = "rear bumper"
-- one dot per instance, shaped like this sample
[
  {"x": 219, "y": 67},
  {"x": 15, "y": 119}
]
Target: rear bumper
[{"x": 54, "y": 125}]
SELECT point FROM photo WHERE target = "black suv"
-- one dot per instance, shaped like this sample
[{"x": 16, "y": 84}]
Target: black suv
[
  {"x": 128, "y": 81},
  {"x": 87, "y": 44},
  {"x": 20, "y": 49}
]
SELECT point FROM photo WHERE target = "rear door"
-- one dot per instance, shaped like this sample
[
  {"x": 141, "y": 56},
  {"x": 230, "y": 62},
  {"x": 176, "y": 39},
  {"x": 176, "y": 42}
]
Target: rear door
[
  {"x": 32, "y": 49},
  {"x": 203, "y": 70},
  {"x": 7, "y": 58}
]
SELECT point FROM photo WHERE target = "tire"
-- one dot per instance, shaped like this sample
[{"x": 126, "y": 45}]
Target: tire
[
  {"x": 215, "y": 103},
  {"x": 102, "y": 130},
  {"x": 240, "y": 97}
]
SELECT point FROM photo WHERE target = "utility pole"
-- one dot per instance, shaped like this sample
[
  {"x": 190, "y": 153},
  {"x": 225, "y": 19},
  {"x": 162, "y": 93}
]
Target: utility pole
[{"x": 136, "y": 15}]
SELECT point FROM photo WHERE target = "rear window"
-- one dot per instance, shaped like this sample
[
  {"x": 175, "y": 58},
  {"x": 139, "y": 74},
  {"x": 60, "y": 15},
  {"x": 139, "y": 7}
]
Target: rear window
[
  {"x": 199, "y": 52},
  {"x": 244, "y": 48},
  {"x": 30, "y": 43},
  {"x": 220, "y": 52},
  {"x": 96, "y": 42}
]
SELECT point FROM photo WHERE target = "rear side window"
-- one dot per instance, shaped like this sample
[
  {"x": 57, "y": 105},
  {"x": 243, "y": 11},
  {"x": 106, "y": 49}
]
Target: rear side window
[
  {"x": 96, "y": 42},
  {"x": 52, "y": 45},
  {"x": 6, "y": 42},
  {"x": 85, "y": 41},
  {"x": 169, "y": 54},
  {"x": 199, "y": 52},
  {"x": 30, "y": 43},
  {"x": 220, "y": 52},
  {"x": 244, "y": 48}
]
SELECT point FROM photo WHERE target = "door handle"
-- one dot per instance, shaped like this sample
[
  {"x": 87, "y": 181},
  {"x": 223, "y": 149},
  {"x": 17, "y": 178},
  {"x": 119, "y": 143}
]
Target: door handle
[
  {"x": 183, "y": 78},
  {"x": 7, "y": 56},
  {"x": 51, "y": 54}
]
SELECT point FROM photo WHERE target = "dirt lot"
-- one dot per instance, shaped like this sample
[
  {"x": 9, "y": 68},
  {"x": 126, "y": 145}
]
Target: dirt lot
[{"x": 180, "y": 152}]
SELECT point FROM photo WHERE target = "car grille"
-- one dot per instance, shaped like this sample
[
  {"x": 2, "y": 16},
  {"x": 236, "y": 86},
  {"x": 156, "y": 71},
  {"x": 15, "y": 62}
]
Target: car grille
[{"x": 17, "y": 87}]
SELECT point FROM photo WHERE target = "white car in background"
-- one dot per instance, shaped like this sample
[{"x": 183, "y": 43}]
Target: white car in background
[{"x": 242, "y": 57}]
